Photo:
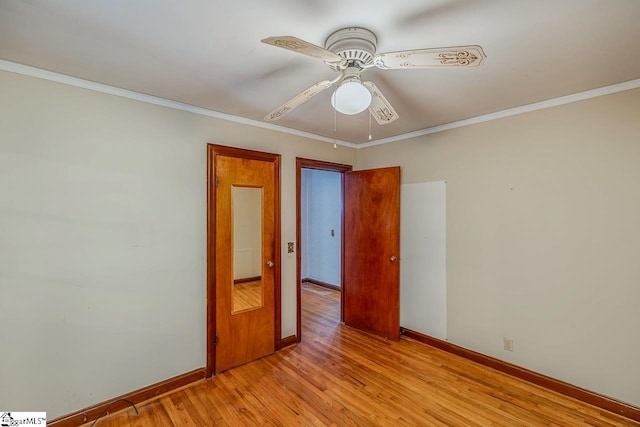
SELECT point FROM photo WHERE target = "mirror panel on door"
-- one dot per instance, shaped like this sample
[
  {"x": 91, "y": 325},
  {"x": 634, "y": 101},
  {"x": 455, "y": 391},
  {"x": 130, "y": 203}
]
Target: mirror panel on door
[{"x": 247, "y": 286}]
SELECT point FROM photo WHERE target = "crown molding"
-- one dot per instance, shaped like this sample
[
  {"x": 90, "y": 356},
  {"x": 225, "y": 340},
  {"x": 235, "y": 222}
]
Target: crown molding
[
  {"x": 124, "y": 93},
  {"x": 111, "y": 90},
  {"x": 549, "y": 103}
]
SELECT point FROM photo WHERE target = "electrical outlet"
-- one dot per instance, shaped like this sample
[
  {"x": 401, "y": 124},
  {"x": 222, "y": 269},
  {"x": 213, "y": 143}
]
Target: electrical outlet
[
  {"x": 508, "y": 344},
  {"x": 290, "y": 247}
]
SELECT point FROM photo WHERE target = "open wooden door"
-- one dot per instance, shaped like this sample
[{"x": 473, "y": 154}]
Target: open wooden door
[{"x": 372, "y": 251}]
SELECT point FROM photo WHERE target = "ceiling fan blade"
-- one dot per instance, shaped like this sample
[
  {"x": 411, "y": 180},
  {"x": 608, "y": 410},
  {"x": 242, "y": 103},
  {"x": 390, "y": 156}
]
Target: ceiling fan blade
[
  {"x": 306, "y": 48},
  {"x": 380, "y": 108},
  {"x": 298, "y": 100},
  {"x": 456, "y": 56}
]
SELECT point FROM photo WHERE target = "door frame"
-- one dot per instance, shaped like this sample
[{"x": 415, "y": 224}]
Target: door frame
[
  {"x": 302, "y": 163},
  {"x": 214, "y": 150}
]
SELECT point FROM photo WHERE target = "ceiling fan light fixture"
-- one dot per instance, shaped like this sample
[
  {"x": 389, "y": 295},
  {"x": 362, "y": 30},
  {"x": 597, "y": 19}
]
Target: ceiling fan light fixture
[
  {"x": 351, "y": 97},
  {"x": 352, "y": 50}
]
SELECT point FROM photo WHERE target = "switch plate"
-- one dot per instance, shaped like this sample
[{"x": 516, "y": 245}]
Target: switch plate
[{"x": 508, "y": 344}]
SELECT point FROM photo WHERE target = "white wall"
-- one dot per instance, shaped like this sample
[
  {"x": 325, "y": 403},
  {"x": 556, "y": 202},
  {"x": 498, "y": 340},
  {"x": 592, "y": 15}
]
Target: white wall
[
  {"x": 102, "y": 240},
  {"x": 542, "y": 236},
  {"x": 423, "y": 258},
  {"x": 321, "y": 208}
]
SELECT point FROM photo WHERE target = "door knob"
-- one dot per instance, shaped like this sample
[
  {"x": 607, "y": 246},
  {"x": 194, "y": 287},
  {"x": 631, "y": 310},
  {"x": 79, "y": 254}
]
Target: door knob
[
  {"x": 393, "y": 258},
  {"x": 270, "y": 264}
]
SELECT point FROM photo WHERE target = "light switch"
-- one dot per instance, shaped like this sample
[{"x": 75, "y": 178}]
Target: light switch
[{"x": 290, "y": 247}]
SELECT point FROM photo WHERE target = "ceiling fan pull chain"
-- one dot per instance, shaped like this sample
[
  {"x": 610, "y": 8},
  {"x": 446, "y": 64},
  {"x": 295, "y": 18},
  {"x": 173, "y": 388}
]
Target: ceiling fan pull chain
[{"x": 335, "y": 126}]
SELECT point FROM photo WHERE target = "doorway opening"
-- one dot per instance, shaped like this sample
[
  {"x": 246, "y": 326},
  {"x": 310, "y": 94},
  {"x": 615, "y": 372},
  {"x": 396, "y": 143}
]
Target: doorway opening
[
  {"x": 320, "y": 237},
  {"x": 321, "y": 227}
]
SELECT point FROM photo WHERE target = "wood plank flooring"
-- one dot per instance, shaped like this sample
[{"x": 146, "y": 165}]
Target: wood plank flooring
[
  {"x": 247, "y": 296},
  {"x": 339, "y": 376}
]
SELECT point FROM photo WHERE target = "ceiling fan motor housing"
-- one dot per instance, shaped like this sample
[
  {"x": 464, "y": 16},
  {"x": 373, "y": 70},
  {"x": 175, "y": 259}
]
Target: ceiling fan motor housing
[{"x": 357, "y": 45}]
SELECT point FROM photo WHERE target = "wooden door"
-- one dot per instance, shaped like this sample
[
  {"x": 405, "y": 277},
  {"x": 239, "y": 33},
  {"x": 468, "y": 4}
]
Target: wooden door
[
  {"x": 245, "y": 332},
  {"x": 371, "y": 251}
]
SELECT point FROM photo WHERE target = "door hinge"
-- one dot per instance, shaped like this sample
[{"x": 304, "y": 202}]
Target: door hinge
[
  {"x": 216, "y": 340},
  {"x": 217, "y": 181}
]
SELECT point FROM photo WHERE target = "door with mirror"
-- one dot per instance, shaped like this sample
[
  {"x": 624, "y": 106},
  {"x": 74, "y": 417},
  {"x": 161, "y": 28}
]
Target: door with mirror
[{"x": 246, "y": 287}]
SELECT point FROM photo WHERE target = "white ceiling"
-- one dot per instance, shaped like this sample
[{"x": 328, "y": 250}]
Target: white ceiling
[{"x": 207, "y": 53}]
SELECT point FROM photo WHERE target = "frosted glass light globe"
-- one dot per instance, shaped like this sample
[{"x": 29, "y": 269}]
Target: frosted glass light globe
[{"x": 351, "y": 98}]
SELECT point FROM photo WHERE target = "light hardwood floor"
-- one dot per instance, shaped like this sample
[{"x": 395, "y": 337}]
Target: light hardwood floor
[
  {"x": 342, "y": 377},
  {"x": 247, "y": 295}
]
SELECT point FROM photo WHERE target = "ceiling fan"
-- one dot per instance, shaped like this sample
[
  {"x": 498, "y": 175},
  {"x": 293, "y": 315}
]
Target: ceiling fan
[{"x": 350, "y": 51}]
